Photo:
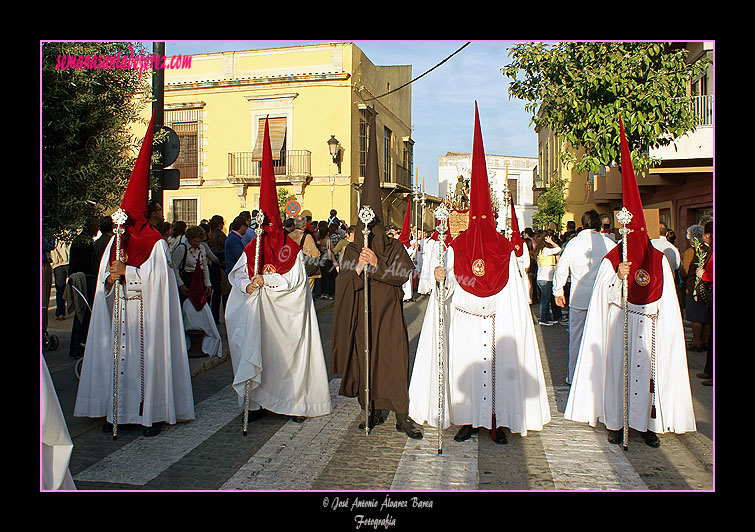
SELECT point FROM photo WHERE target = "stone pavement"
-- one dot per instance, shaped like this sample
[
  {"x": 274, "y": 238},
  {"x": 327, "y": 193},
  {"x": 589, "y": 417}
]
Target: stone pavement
[{"x": 331, "y": 453}]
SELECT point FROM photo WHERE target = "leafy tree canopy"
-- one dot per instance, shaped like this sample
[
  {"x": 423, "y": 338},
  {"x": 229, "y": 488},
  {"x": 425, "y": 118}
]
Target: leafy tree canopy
[
  {"x": 551, "y": 204},
  {"x": 87, "y": 148},
  {"x": 578, "y": 90}
]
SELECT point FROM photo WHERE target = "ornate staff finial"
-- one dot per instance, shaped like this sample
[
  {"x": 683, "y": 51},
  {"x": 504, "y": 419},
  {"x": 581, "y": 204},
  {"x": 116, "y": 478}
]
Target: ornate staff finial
[
  {"x": 442, "y": 214},
  {"x": 366, "y": 215},
  {"x": 260, "y": 219},
  {"x": 120, "y": 217},
  {"x": 624, "y": 217}
]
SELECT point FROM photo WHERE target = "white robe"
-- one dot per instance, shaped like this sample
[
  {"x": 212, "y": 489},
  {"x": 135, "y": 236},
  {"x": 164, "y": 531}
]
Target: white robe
[
  {"x": 274, "y": 339},
  {"x": 420, "y": 254},
  {"x": 198, "y": 320},
  {"x": 202, "y": 320},
  {"x": 56, "y": 441},
  {"x": 167, "y": 379},
  {"x": 429, "y": 261},
  {"x": 597, "y": 390},
  {"x": 522, "y": 263},
  {"x": 407, "y": 286},
  {"x": 521, "y": 402}
]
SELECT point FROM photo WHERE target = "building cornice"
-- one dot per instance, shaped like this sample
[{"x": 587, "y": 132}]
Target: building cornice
[{"x": 260, "y": 81}]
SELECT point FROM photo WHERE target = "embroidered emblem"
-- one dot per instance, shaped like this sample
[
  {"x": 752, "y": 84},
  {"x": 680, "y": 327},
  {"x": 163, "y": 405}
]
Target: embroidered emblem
[
  {"x": 642, "y": 277},
  {"x": 268, "y": 268},
  {"x": 478, "y": 267}
]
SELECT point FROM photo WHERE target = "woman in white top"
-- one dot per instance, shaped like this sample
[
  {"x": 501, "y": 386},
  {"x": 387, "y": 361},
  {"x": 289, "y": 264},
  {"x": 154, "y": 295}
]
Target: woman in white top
[
  {"x": 546, "y": 250},
  {"x": 188, "y": 254}
]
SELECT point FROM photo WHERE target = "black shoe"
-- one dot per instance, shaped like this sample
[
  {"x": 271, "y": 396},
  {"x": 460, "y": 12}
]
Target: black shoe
[
  {"x": 408, "y": 426},
  {"x": 616, "y": 436},
  {"x": 465, "y": 432},
  {"x": 254, "y": 415},
  {"x": 651, "y": 439},
  {"x": 154, "y": 430},
  {"x": 298, "y": 419},
  {"x": 375, "y": 420},
  {"x": 499, "y": 435}
]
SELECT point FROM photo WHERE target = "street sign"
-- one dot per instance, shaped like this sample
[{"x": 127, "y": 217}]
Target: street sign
[
  {"x": 172, "y": 146},
  {"x": 293, "y": 208},
  {"x": 171, "y": 179}
]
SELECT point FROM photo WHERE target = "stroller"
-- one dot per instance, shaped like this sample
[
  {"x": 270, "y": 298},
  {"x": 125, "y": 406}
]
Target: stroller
[{"x": 78, "y": 297}]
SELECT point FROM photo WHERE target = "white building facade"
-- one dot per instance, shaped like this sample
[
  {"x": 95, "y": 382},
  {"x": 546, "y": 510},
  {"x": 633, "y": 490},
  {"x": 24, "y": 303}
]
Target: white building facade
[{"x": 517, "y": 172}]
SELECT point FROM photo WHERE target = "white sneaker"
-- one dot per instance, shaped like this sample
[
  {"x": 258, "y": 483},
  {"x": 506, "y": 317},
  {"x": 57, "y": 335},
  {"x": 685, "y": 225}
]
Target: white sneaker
[{"x": 546, "y": 323}]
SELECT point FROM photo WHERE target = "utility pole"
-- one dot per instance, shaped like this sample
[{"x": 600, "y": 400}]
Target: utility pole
[{"x": 158, "y": 81}]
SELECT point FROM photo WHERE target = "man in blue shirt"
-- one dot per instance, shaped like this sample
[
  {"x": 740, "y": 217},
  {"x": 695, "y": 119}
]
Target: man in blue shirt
[{"x": 234, "y": 245}]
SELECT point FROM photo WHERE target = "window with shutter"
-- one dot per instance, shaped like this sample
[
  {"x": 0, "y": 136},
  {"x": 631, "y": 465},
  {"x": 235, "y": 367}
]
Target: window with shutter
[{"x": 277, "y": 138}]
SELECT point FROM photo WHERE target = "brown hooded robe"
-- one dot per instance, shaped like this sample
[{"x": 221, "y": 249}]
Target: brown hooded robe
[{"x": 389, "y": 340}]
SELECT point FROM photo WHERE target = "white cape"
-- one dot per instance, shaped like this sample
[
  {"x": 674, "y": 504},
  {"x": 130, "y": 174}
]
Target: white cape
[
  {"x": 429, "y": 260},
  {"x": 597, "y": 390},
  {"x": 167, "y": 379},
  {"x": 202, "y": 320},
  {"x": 521, "y": 401},
  {"x": 407, "y": 286},
  {"x": 274, "y": 339},
  {"x": 56, "y": 441}
]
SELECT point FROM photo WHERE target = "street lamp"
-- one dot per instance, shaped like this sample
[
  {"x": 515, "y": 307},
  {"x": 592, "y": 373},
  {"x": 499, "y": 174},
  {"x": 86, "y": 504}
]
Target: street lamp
[{"x": 335, "y": 153}]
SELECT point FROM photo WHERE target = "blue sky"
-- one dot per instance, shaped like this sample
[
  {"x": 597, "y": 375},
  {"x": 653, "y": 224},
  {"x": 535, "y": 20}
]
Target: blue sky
[{"x": 442, "y": 101}]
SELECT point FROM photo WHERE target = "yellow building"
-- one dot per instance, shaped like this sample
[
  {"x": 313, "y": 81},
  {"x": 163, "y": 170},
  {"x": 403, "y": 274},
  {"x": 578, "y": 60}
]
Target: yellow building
[
  {"x": 578, "y": 185},
  {"x": 311, "y": 94},
  {"x": 678, "y": 192}
]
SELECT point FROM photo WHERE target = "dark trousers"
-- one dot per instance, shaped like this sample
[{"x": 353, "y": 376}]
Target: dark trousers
[
  {"x": 216, "y": 297},
  {"x": 60, "y": 275}
]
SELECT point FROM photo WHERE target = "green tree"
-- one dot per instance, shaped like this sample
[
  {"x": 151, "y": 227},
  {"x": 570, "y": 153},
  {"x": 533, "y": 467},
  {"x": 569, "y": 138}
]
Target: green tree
[
  {"x": 578, "y": 90},
  {"x": 283, "y": 198},
  {"x": 551, "y": 205},
  {"x": 87, "y": 149}
]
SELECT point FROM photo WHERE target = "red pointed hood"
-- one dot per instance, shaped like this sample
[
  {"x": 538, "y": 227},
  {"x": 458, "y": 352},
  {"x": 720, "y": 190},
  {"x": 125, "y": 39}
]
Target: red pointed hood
[
  {"x": 139, "y": 237},
  {"x": 481, "y": 254},
  {"x": 406, "y": 231},
  {"x": 646, "y": 273},
  {"x": 516, "y": 236},
  {"x": 277, "y": 251}
]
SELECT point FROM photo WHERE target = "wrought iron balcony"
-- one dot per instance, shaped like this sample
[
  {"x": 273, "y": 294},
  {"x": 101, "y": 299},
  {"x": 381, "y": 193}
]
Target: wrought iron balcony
[{"x": 294, "y": 165}]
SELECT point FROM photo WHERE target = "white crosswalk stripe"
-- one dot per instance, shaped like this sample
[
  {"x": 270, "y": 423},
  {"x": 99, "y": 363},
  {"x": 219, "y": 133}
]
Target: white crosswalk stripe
[
  {"x": 580, "y": 456},
  {"x": 422, "y": 468},
  {"x": 298, "y": 452},
  {"x": 144, "y": 459}
]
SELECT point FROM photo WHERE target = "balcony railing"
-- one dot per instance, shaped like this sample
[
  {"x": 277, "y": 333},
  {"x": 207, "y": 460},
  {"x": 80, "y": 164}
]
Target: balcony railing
[
  {"x": 402, "y": 176},
  {"x": 702, "y": 108},
  {"x": 294, "y": 163}
]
